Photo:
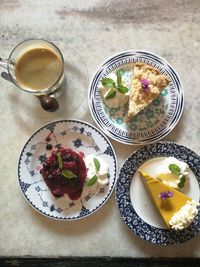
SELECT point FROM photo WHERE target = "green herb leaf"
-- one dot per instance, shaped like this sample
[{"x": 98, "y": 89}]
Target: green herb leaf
[
  {"x": 92, "y": 181},
  {"x": 182, "y": 182},
  {"x": 68, "y": 174},
  {"x": 119, "y": 77},
  {"x": 107, "y": 82},
  {"x": 111, "y": 93},
  {"x": 97, "y": 164},
  {"x": 174, "y": 169},
  {"x": 122, "y": 89},
  {"x": 60, "y": 163}
]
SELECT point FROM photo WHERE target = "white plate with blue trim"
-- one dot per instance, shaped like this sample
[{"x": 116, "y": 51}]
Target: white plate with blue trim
[
  {"x": 79, "y": 136},
  {"x": 152, "y": 123},
  {"x": 134, "y": 203}
]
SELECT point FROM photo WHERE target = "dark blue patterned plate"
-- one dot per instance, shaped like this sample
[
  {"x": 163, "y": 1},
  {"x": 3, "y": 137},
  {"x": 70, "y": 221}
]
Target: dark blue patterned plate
[
  {"x": 152, "y": 123},
  {"x": 134, "y": 203},
  {"x": 79, "y": 136}
]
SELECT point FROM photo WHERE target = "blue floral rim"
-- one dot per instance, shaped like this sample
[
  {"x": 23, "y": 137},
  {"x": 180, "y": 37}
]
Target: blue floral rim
[
  {"x": 122, "y": 193},
  {"x": 25, "y": 159}
]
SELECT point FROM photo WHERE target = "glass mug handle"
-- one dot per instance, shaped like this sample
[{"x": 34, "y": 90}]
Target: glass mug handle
[
  {"x": 4, "y": 63},
  {"x": 47, "y": 102}
]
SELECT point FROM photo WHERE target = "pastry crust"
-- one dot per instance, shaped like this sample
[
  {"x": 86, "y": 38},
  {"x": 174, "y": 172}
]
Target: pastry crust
[{"x": 140, "y": 98}]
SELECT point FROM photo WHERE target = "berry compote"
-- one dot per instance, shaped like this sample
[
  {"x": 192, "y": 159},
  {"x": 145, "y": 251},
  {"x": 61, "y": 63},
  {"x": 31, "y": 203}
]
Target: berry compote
[{"x": 64, "y": 172}]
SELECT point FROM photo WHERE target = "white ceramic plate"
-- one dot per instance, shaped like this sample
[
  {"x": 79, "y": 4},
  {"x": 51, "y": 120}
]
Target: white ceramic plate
[
  {"x": 134, "y": 203},
  {"x": 79, "y": 136},
  {"x": 151, "y": 124}
]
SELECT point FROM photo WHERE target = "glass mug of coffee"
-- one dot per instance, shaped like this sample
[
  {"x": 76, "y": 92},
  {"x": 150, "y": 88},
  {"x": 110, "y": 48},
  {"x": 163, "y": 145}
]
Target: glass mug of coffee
[{"x": 37, "y": 67}]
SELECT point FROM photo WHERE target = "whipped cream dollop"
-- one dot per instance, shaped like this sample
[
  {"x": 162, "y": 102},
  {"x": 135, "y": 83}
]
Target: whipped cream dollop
[
  {"x": 102, "y": 174},
  {"x": 167, "y": 177},
  {"x": 185, "y": 216},
  {"x": 119, "y": 99}
]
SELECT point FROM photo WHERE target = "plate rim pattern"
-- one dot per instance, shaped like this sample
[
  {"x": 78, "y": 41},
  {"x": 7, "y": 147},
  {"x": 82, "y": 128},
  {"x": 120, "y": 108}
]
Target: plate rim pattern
[
  {"x": 108, "y": 195},
  {"x": 98, "y": 115},
  {"x": 138, "y": 226}
]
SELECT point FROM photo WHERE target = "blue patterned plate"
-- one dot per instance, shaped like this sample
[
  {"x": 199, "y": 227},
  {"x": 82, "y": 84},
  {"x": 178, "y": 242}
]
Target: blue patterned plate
[
  {"x": 134, "y": 203},
  {"x": 79, "y": 136},
  {"x": 152, "y": 123}
]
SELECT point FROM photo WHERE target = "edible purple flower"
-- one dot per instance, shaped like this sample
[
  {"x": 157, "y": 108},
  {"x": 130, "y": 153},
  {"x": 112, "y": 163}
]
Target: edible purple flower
[
  {"x": 165, "y": 195},
  {"x": 145, "y": 84}
]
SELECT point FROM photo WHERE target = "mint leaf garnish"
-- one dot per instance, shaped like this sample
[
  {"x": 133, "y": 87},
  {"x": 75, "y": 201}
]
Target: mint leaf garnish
[
  {"x": 68, "y": 174},
  {"x": 111, "y": 93},
  {"x": 60, "y": 163},
  {"x": 122, "y": 89},
  {"x": 92, "y": 181},
  {"x": 182, "y": 182},
  {"x": 119, "y": 77},
  {"x": 174, "y": 169},
  {"x": 108, "y": 82},
  {"x": 97, "y": 164}
]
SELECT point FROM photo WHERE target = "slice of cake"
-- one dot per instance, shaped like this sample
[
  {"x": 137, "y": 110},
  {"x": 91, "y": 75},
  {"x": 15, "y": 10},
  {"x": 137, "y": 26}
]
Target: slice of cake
[
  {"x": 177, "y": 210},
  {"x": 147, "y": 84}
]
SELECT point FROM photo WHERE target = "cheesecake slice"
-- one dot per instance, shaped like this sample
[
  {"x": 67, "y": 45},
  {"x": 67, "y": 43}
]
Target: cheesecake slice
[
  {"x": 177, "y": 210},
  {"x": 147, "y": 83}
]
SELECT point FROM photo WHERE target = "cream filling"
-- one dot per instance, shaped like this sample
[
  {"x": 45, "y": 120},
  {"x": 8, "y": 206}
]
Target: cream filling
[{"x": 184, "y": 217}]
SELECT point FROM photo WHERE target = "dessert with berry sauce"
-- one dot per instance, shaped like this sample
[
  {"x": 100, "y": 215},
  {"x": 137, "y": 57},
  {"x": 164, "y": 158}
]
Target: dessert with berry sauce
[{"x": 64, "y": 172}]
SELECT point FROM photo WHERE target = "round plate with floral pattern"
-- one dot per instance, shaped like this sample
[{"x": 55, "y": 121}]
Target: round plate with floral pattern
[
  {"x": 134, "y": 203},
  {"x": 152, "y": 123},
  {"x": 79, "y": 136}
]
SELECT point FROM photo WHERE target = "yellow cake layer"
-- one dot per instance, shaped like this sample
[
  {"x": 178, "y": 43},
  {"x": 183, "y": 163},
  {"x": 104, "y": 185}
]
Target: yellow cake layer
[{"x": 166, "y": 207}]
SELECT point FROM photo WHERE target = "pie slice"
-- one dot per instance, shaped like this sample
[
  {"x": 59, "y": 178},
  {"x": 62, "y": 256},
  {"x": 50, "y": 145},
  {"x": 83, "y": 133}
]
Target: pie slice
[
  {"x": 147, "y": 84},
  {"x": 176, "y": 209}
]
